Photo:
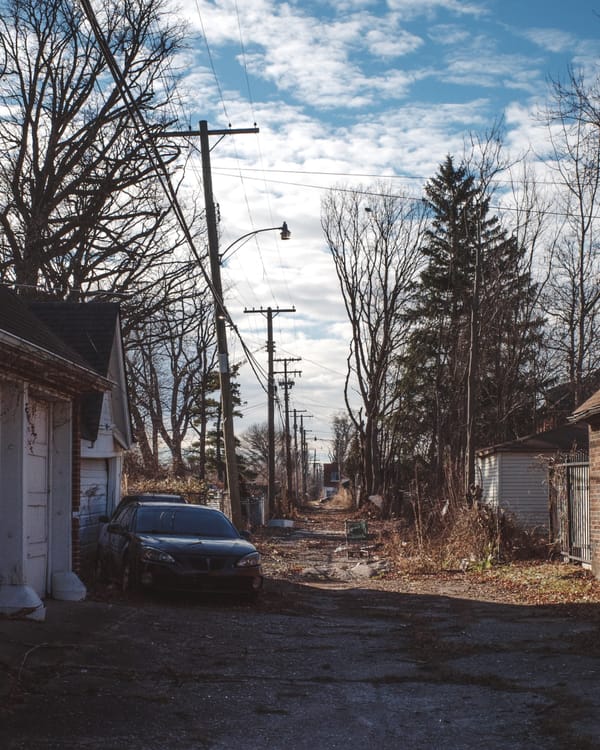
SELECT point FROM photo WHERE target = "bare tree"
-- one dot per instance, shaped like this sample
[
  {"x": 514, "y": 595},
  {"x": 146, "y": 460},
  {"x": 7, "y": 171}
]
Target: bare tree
[
  {"x": 255, "y": 448},
  {"x": 343, "y": 432},
  {"x": 524, "y": 213},
  {"x": 573, "y": 291},
  {"x": 170, "y": 359},
  {"x": 374, "y": 243},
  {"x": 80, "y": 208}
]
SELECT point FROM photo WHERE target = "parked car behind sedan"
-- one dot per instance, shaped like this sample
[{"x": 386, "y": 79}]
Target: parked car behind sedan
[
  {"x": 151, "y": 497},
  {"x": 177, "y": 547}
]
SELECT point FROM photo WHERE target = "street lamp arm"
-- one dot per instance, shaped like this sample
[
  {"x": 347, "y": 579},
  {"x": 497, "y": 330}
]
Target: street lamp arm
[{"x": 285, "y": 234}]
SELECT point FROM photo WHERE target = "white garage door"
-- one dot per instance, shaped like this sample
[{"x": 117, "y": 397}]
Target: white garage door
[
  {"x": 94, "y": 491},
  {"x": 36, "y": 495}
]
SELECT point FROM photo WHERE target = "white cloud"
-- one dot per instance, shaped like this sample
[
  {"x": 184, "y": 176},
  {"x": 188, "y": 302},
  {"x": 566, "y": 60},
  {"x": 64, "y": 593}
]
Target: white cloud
[
  {"x": 391, "y": 41},
  {"x": 411, "y": 8},
  {"x": 340, "y": 90},
  {"x": 553, "y": 40},
  {"x": 510, "y": 70},
  {"x": 449, "y": 34}
]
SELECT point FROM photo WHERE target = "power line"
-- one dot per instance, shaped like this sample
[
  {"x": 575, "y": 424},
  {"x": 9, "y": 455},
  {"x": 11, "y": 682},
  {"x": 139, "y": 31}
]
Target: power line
[
  {"x": 382, "y": 177},
  {"x": 237, "y": 13},
  {"x": 408, "y": 197},
  {"x": 241, "y": 177},
  {"x": 211, "y": 62},
  {"x": 160, "y": 166}
]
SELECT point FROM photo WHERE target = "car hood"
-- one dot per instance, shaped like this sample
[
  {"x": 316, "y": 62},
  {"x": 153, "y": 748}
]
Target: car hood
[{"x": 199, "y": 545}]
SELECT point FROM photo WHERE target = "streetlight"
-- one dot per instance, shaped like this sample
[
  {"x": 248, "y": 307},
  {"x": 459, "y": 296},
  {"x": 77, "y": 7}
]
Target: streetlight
[
  {"x": 216, "y": 258},
  {"x": 285, "y": 234}
]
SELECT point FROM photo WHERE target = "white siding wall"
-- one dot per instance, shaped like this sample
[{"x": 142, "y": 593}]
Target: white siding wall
[
  {"x": 518, "y": 483},
  {"x": 524, "y": 482},
  {"x": 487, "y": 469},
  {"x": 524, "y": 488},
  {"x": 104, "y": 444}
]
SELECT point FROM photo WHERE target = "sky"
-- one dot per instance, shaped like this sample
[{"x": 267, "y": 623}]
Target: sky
[{"x": 349, "y": 92}]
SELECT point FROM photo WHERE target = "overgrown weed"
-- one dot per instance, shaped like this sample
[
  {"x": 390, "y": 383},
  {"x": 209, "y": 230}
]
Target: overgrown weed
[{"x": 456, "y": 536}]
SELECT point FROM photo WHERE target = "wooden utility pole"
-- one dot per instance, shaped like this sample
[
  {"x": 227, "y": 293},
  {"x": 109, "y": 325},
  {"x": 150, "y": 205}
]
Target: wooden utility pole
[
  {"x": 296, "y": 454},
  {"x": 231, "y": 467},
  {"x": 304, "y": 456},
  {"x": 233, "y": 505},
  {"x": 472, "y": 375},
  {"x": 269, "y": 312},
  {"x": 286, "y": 384}
]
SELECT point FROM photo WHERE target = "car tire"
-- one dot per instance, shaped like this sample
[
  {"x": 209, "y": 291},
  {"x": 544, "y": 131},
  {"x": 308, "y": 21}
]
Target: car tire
[
  {"x": 100, "y": 572},
  {"x": 128, "y": 578}
]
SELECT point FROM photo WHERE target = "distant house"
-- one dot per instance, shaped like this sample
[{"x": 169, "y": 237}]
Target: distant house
[
  {"x": 513, "y": 476},
  {"x": 42, "y": 385},
  {"x": 588, "y": 414},
  {"x": 93, "y": 330}
]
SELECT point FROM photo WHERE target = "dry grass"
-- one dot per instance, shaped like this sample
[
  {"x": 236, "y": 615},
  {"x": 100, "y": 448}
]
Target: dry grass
[{"x": 464, "y": 538}]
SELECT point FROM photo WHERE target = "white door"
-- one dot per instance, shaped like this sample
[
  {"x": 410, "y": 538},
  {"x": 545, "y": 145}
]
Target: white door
[
  {"x": 36, "y": 494},
  {"x": 94, "y": 503}
]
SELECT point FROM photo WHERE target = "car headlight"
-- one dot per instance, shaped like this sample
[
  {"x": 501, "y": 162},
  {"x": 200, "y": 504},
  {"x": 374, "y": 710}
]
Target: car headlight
[
  {"x": 249, "y": 561},
  {"x": 150, "y": 554}
]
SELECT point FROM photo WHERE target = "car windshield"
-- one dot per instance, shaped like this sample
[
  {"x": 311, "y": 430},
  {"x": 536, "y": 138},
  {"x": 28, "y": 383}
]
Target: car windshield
[{"x": 184, "y": 522}]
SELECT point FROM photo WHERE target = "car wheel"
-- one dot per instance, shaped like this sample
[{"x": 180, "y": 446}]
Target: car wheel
[
  {"x": 101, "y": 576},
  {"x": 252, "y": 597},
  {"x": 128, "y": 579}
]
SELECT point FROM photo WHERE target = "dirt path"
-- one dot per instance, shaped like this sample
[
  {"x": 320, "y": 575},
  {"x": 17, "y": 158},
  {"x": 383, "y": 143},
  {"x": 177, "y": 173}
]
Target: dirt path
[{"x": 314, "y": 551}]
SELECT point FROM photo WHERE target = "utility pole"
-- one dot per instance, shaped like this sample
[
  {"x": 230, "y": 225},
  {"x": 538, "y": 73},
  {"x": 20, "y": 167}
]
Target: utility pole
[
  {"x": 233, "y": 505},
  {"x": 296, "y": 454},
  {"x": 472, "y": 374},
  {"x": 286, "y": 385},
  {"x": 304, "y": 456},
  {"x": 269, "y": 312}
]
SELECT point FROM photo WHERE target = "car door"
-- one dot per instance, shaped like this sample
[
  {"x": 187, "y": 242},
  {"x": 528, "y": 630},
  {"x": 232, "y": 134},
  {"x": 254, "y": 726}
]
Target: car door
[{"x": 119, "y": 534}]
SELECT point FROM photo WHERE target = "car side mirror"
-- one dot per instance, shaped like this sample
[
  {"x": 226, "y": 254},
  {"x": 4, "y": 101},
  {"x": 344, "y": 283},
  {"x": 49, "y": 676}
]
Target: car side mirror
[{"x": 245, "y": 535}]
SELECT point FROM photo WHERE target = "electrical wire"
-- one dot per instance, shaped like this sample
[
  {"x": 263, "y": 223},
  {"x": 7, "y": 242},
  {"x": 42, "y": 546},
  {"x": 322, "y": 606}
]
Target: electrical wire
[
  {"x": 211, "y": 62},
  {"x": 162, "y": 172},
  {"x": 243, "y": 50},
  {"x": 408, "y": 197},
  {"x": 266, "y": 276}
]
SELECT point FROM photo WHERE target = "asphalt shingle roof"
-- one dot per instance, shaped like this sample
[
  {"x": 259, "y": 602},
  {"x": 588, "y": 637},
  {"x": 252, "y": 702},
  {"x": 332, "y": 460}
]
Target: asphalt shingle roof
[
  {"x": 18, "y": 320},
  {"x": 560, "y": 439},
  {"x": 88, "y": 328},
  {"x": 80, "y": 333},
  {"x": 589, "y": 408}
]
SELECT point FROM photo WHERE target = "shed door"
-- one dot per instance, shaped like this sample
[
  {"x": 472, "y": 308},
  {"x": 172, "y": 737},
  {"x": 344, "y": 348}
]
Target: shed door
[{"x": 36, "y": 494}]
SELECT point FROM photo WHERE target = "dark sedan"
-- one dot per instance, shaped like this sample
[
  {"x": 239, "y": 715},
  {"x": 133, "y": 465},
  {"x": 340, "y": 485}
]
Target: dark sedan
[{"x": 177, "y": 547}]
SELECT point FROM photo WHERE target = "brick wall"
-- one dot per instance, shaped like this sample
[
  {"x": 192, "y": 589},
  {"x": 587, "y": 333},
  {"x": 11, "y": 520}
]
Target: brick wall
[{"x": 595, "y": 495}]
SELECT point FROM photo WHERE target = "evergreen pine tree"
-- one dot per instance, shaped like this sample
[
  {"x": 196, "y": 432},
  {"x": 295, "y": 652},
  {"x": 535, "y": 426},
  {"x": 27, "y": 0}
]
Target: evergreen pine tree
[{"x": 463, "y": 234}]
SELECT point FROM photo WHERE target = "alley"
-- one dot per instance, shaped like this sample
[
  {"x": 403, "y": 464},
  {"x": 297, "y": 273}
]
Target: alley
[{"x": 319, "y": 665}]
